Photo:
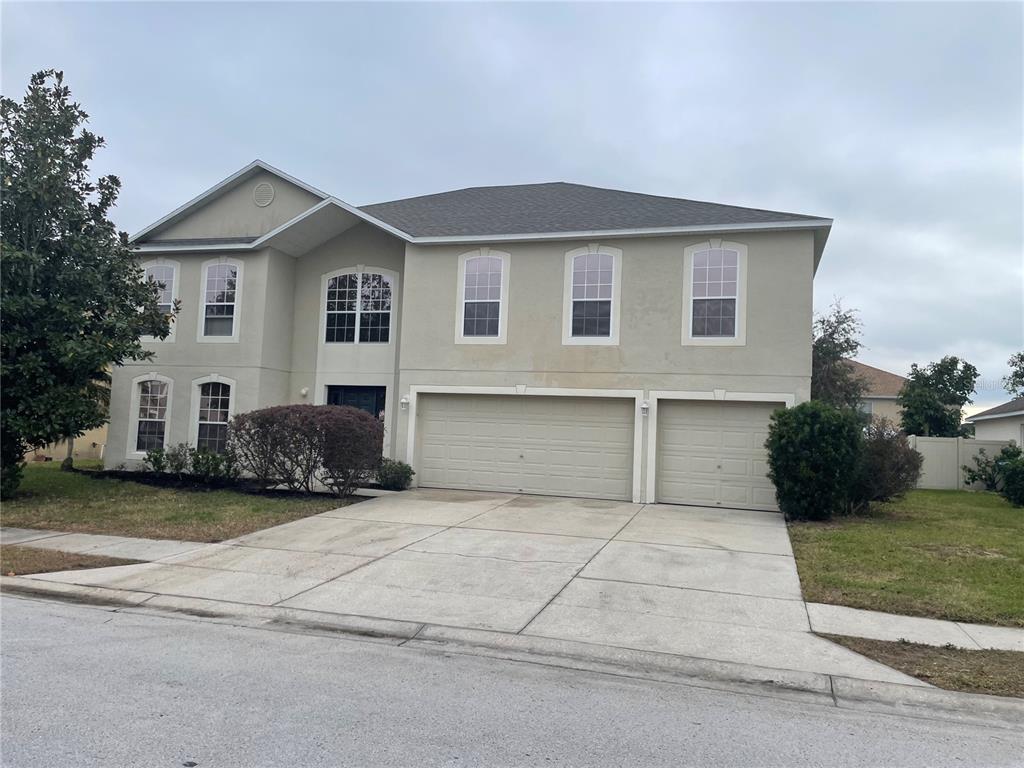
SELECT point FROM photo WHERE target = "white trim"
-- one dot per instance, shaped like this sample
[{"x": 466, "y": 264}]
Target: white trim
[
  {"x": 359, "y": 270},
  {"x": 591, "y": 341},
  {"x": 160, "y": 261},
  {"x": 994, "y": 416},
  {"x": 340, "y": 204},
  {"x": 225, "y": 185},
  {"x": 523, "y": 390},
  {"x": 193, "y": 426},
  {"x": 460, "y": 307},
  {"x": 702, "y": 229},
  {"x": 237, "y": 322},
  {"x": 721, "y": 395},
  {"x": 740, "y": 337},
  {"x": 132, "y": 451}
]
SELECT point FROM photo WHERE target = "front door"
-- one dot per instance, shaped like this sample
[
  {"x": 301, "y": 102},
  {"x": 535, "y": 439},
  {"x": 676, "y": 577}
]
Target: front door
[{"x": 369, "y": 399}]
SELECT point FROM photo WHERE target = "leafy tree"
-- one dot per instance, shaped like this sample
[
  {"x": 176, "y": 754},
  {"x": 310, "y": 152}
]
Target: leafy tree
[
  {"x": 934, "y": 396},
  {"x": 73, "y": 299},
  {"x": 836, "y": 340},
  {"x": 1014, "y": 383}
]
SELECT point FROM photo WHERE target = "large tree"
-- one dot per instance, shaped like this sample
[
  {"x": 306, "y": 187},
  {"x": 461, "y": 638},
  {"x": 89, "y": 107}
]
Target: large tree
[
  {"x": 1014, "y": 383},
  {"x": 836, "y": 341},
  {"x": 934, "y": 396},
  {"x": 73, "y": 299}
]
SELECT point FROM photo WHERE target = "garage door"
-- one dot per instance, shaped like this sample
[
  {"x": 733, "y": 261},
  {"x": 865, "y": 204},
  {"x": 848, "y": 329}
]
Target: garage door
[
  {"x": 562, "y": 446},
  {"x": 712, "y": 454}
]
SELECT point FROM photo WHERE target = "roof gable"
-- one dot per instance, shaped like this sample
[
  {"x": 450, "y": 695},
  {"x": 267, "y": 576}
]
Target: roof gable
[
  {"x": 879, "y": 383},
  {"x": 228, "y": 211}
]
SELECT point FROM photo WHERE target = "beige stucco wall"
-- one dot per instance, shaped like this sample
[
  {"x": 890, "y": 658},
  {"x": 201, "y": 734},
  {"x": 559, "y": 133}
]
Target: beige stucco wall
[
  {"x": 89, "y": 445},
  {"x": 887, "y": 408},
  {"x": 234, "y": 214},
  {"x": 1010, "y": 428}
]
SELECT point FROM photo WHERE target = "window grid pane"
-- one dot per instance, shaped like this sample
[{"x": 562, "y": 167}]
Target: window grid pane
[
  {"x": 163, "y": 276},
  {"x": 214, "y": 411},
  {"x": 715, "y": 287},
  {"x": 151, "y": 416},
  {"x": 482, "y": 296},
  {"x": 220, "y": 293},
  {"x": 592, "y": 285},
  {"x": 358, "y": 302}
]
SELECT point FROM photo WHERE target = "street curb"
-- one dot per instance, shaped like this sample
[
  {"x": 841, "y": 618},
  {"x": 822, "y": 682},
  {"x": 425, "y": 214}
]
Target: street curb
[{"x": 832, "y": 690}]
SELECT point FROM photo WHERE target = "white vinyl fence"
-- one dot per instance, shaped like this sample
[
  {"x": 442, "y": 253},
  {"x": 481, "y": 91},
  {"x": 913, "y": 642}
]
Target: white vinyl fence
[{"x": 944, "y": 457}]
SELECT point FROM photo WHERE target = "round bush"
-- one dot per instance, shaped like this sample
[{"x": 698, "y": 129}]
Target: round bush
[
  {"x": 1013, "y": 481},
  {"x": 394, "y": 475},
  {"x": 813, "y": 454}
]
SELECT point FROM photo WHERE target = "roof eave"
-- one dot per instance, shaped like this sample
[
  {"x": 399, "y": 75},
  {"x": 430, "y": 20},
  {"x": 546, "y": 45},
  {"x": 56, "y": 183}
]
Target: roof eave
[{"x": 982, "y": 417}]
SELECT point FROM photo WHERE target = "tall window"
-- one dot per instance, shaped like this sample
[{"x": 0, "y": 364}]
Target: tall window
[
  {"x": 219, "y": 301},
  {"x": 163, "y": 276},
  {"x": 358, "y": 308},
  {"x": 214, "y": 411},
  {"x": 592, "y": 275},
  {"x": 715, "y": 288},
  {"x": 152, "y": 422},
  {"x": 481, "y": 305}
]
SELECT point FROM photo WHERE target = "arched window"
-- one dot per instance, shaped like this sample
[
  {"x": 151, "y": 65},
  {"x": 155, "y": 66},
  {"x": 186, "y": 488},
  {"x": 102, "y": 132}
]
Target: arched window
[
  {"x": 481, "y": 304},
  {"x": 592, "y": 286},
  {"x": 358, "y": 308},
  {"x": 214, "y": 412},
  {"x": 151, "y": 429},
  {"x": 221, "y": 289},
  {"x": 163, "y": 275},
  {"x": 715, "y": 293}
]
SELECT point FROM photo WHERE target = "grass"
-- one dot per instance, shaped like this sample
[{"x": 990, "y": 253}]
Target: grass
[
  {"x": 1000, "y": 673},
  {"x": 955, "y": 555},
  {"x": 22, "y": 561},
  {"x": 80, "y": 503}
]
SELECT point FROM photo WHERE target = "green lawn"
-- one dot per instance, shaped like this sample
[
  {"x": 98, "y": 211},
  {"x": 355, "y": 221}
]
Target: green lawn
[
  {"x": 76, "y": 501},
  {"x": 945, "y": 554}
]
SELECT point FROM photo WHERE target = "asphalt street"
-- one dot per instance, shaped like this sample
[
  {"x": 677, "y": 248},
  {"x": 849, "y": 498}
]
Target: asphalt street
[{"x": 85, "y": 686}]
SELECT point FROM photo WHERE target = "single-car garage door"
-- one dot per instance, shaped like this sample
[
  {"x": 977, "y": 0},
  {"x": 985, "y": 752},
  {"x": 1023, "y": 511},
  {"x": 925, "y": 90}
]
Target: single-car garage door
[
  {"x": 712, "y": 454},
  {"x": 561, "y": 446}
]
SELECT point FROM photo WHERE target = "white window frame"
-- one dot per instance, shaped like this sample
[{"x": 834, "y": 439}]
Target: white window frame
[
  {"x": 460, "y": 308},
  {"x": 131, "y": 451},
  {"x": 613, "y": 338},
  {"x": 359, "y": 270},
  {"x": 197, "y": 384},
  {"x": 237, "y": 324},
  {"x": 739, "y": 339},
  {"x": 175, "y": 292}
]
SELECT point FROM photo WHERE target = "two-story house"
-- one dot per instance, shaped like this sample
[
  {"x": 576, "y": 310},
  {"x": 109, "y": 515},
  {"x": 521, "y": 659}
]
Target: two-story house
[{"x": 541, "y": 338}]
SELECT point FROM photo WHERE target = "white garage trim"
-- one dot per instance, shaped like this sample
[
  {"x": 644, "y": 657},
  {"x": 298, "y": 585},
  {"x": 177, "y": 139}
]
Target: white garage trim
[
  {"x": 650, "y": 496},
  {"x": 637, "y": 395}
]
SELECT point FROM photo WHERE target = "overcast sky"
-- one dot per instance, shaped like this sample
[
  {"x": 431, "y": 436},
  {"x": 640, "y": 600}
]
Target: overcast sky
[{"x": 903, "y": 122}]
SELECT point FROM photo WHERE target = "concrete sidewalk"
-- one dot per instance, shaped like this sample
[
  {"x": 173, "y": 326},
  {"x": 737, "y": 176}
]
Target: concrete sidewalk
[{"x": 127, "y": 547}]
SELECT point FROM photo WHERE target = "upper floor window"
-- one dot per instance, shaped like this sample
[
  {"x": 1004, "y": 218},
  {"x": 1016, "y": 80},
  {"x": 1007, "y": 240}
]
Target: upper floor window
[
  {"x": 715, "y": 294},
  {"x": 593, "y": 295},
  {"x": 359, "y": 308},
  {"x": 214, "y": 412},
  {"x": 715, "y": 279},
  {"x": 163, "y": 276},
  {"x": 483, "y": 297},
  {"x": 221, "y": 295},
  {"x": 151, "y": 427}
]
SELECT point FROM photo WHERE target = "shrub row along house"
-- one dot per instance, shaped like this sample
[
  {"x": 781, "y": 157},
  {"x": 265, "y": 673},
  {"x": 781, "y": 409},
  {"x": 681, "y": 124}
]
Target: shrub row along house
[{"x": 542, "y": 338}]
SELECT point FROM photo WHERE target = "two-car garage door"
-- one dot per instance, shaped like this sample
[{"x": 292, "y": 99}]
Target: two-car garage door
[{"x": 562, "y": 446}]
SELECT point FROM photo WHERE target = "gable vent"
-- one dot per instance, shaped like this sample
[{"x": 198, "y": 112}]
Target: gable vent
[{"x": 263, "y": 194}]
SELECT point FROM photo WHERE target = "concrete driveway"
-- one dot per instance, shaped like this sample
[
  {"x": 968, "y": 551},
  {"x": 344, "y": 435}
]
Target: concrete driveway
[{"x": 711, "y": 583}]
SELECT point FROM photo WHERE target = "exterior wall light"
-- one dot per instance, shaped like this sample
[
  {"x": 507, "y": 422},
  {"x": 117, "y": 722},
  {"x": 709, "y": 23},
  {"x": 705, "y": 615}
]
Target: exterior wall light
[
  {"x": 304, "y": 391},
  {"x": 404, "y": 403},
  {"x": 645, "y": 408}
]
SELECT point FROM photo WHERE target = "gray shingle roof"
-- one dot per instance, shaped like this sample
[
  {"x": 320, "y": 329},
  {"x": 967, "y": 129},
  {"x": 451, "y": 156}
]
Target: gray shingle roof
[
  {"x": 1011, "y": 407},
  {"x": 559, "y": 207}
]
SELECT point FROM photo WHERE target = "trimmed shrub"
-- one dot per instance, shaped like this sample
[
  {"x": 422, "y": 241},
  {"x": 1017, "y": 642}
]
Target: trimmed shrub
[
  {"x": 394, "y": 475},
  {"x": 210, "y": 467},
  {"x": 255, "y": 440},
  {"x": 1012, "y": 475},
  {"x": 813, "y": 455},
  {"x": 989, "y": 470},
  {"x": 178, "y": 459},
  {"x": 888, "y": 467},
  {"x": 353, "y": 441},
  {"x": 155, "y": 460}
]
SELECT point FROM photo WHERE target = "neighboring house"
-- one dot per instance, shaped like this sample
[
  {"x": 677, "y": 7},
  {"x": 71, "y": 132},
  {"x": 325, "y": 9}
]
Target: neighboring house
[
  {"x": 1004, "y": 422},
  {"x": 881, "y": 391},
  {"x": 541, "y": 338},
  {"x": 89, "y": 445}
]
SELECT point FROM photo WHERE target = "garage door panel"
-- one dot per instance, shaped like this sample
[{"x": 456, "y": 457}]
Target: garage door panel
[
  {"x": 528, "y": 444},
  {"x": 713, "y": 453}
]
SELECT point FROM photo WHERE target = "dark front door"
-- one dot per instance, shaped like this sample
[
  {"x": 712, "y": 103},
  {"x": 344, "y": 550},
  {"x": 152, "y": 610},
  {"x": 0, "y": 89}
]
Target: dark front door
[{"x": 369, "y": 399}]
